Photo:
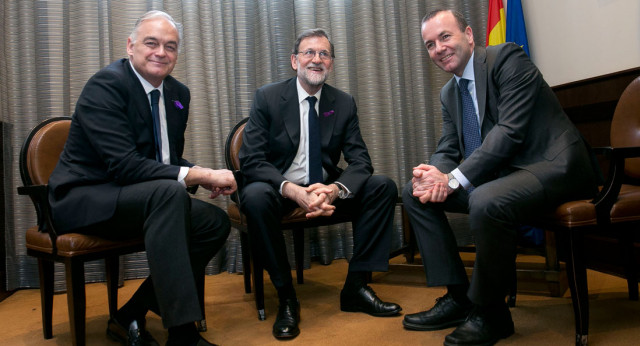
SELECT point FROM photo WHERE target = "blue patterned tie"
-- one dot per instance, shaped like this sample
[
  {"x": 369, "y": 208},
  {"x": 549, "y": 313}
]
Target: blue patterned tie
[
  {"x": 470, "y": 127},
  {"x": 155, "y": 113},
  {"x": 315, "y": 150}
]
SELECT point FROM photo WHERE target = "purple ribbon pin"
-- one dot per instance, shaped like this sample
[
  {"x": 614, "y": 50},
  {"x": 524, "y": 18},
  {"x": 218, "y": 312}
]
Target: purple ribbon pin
[
  {"x": 329, "y": 113},
  {"x": 178, "y": 104}
]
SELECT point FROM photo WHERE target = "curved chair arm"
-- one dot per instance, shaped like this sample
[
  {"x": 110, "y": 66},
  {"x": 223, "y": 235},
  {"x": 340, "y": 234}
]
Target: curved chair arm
[
  {"x": 609, "y": 194},
  {"x": 39, "y": 195}
]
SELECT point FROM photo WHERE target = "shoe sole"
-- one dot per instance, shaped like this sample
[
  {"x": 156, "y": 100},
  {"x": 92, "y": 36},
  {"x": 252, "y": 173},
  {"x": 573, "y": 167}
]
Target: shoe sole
[
  {"x": 286, "y": 336},
  {"x": 422, "y": 327},
  {"x": 505, "y": 335},
  {"x": 375, "y": 314}
]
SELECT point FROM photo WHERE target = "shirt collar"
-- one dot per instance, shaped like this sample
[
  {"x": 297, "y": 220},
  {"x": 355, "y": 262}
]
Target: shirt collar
[
  {"x": 302, "y": 94},
  {"x": 468, "y": 70},
  {"x": 145, "y": 84}
]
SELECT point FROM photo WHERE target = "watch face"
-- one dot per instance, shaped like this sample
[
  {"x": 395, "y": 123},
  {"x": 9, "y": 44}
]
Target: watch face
[{"x": 453, "y": 183}]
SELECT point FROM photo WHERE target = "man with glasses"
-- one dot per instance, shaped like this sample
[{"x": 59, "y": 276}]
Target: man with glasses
[{"x": 289, "y": 158}]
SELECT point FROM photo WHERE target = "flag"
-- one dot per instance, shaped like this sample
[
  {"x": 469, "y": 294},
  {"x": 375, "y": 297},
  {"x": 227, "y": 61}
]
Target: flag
[
  {"x": 496, "y": 23},
  {"x": 516, "y": 31}
]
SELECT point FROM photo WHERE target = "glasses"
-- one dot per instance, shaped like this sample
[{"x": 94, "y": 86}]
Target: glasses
[{"x": 310, "y": 54}]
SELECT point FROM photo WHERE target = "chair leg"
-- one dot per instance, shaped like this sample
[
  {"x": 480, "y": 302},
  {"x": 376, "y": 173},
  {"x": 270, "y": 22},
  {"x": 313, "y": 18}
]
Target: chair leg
[
  {"x": 45, "y": 268},
  {"x": 246, "y": 260},
  {"x": 513, "y": 291},
  {"x": 202, "y": 324},
  {"x": 112, "y": 266},
  {"x": 258, "y": 285},
  {"x": 76, "y": 301},
  {"x": 628, "y": 259},
  {"x": 298, "y": 250},
  {"x": 410, "y": 237},
  {"x": 577, "y": 277}
]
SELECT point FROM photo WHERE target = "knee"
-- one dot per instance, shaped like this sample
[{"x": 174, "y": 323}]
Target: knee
[
  {"x": 167, "y": 189},
  {"x": 483, "y": 207},
  {"x": 257, "y": 196},
  {"x": 407, "y": 193},
  {"x": 387, "y": 186}
]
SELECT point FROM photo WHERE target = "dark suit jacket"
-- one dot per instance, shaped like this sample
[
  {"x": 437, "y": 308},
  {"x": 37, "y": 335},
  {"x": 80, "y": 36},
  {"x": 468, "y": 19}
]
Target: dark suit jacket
[
  {"x": 523, "y": 126},
  {"x": 111, "y": 144},
  {"x": 272, "y": 136}
]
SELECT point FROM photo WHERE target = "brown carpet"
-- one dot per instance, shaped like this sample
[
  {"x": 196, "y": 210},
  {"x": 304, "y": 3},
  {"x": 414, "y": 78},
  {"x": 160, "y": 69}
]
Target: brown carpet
[{"x": 232, "y": 318}]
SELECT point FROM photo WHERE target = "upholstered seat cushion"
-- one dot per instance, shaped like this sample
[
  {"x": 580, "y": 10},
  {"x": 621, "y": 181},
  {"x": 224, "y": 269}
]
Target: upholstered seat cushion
[
  {"x": 574, "y": 214},
  {"x": 74, "y": 244},
  {"x": 627, "y": 206}
]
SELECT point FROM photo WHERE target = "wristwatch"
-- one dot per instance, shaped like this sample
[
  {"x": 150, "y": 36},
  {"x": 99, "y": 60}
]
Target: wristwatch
[
  {"x": 342, "y": 193},
  {"x": 453, "y": 183}
]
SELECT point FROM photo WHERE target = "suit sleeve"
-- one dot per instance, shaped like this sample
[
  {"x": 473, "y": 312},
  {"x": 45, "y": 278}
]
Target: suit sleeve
[
  {"x": 516, "y": 82},
  {"x": 254, "y": 152},
  {"x": 355, "y": 153},
  {"x": 113, "y": 130},
  {"x": 448, "y": 152}
]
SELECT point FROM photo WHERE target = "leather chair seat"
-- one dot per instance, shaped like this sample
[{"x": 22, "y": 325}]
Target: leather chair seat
[
  {"x": 573, "y": 214},
  {"x": 627, "y": 206},
  {"x": 74, "y": 244}
]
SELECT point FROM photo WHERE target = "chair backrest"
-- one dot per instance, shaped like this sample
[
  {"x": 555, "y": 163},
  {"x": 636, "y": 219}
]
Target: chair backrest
[
  {"x": 233, "y": 144},
  {"x": 41, "y": 150},
  {"x": 625, "y": 126}
]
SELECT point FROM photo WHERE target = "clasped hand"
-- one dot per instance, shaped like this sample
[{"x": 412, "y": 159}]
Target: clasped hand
[
  {"x": 218, "y": 182},
  {"x": 316, "y": 199},
  {"x": 429, "y": 184}
]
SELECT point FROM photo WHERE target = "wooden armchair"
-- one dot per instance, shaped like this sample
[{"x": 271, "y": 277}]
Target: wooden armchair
[
  {"x": 604, "y": 233},
  {"x": 295, "y": 221},
  {"x": 38, "y": 157}
]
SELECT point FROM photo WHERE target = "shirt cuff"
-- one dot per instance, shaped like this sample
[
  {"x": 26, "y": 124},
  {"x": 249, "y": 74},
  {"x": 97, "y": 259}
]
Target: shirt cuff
[
  {"x": 349, "y": 194},
  {"x": 281, "y": 185},
  {"x": 461, "y": 179},
  {"x": 183, "y": 174}
]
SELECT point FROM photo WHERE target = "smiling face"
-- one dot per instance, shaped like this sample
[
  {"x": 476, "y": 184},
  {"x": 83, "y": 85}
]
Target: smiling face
[
  {"x": 312, "y": 72},
  {"x": 449, "y": 47},
  {"x": 154, "y": 51}
]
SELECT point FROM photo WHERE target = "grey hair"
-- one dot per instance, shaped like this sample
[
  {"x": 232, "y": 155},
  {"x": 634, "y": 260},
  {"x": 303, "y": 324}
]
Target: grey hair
[
  {"x": 312, "y": 33},
  {"x": 155, "y": 14}
]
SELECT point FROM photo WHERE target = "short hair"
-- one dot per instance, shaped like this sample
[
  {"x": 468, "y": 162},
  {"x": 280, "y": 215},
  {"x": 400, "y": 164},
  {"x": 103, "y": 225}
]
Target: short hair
[
  {"x": 462, "y": 23},
  {"x": 311, "y": 33},
  {"x": 155, "y": 14}
]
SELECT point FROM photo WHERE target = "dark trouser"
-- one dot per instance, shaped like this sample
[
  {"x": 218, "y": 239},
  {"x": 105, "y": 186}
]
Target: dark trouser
[
  {"x": 495, "y": 209},
  {"x": 181, "y": 235},
  {"x": 372, "y": 209}
]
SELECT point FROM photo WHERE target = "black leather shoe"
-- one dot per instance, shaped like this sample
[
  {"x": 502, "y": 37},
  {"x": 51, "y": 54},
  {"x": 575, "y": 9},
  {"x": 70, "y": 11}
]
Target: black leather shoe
[
  {"x": 444, "y": 314},
  {"x": 135, "y": 335},
  {"x": 484, "y": 326},
  {"x": 286, "y": 325},
  {"x": 365, "y": 300}
]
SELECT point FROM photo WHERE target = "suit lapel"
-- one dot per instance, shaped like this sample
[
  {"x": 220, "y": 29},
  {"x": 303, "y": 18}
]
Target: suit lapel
[
  {"x": 291, "y": 112},
  {"x": 140, "y": 100},
  {"x": 327, "y": 117},
  {"x": 173, "y": 118},
  {"x": 480, "y": 75}
]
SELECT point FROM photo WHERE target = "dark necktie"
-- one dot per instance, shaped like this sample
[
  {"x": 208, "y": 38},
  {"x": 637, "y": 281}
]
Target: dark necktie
[
  {"x": 315, "y": 149},
  {"x": 155, "y": 113},
  {"x": 470, "y": 127}
]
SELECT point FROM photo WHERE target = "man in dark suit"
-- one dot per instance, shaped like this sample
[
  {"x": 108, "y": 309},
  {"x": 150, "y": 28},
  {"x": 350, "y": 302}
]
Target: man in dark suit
[
  {"x": 507, "y": 153},
  {"x": 289, "y": 158},
  {"x": 117, "y": 177}
]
